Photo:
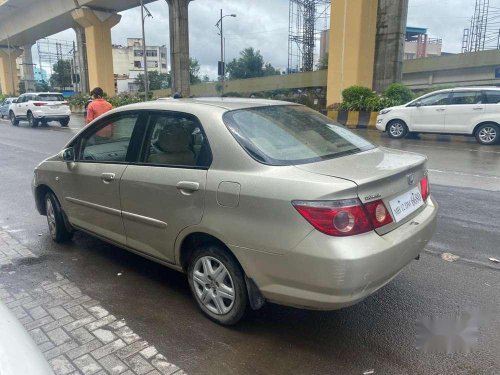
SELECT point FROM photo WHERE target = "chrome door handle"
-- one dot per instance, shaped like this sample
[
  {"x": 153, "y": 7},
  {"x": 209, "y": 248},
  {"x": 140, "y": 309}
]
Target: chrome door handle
[
  {"x": 478, "y": 108},
  {"x": 441, "y": 109},
  {"x": 188, "y": 186},
  {"x": 107, "y": 177}
]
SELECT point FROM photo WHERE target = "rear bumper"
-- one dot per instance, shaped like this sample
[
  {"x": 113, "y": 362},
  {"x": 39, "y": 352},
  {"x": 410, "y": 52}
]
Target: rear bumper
[
  {"x": 328, "y": 273},
  {"x": 59, "y": 115}
]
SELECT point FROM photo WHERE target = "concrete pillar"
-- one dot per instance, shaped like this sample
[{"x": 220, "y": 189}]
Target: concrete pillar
[
  {"x": 8, "y": 70},
  {"x": 353, "y": 24},
  {"x": 83, "y": 69},
  {"x": 28, "y": 75},
  {"x": 389, "y": 50},
  {"x": 179, "y": 45},
  {"x": 97, "y": 27}
]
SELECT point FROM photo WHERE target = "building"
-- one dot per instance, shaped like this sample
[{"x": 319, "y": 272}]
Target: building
[
  {"x": 419, "y": 45},
  {"x": 128, "y": 63}
]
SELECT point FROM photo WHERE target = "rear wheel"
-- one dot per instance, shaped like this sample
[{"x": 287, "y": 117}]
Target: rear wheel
[
  {"x": 397, "y": 129},
  {"x": 488, "y": 134},
  {"x": 55, "y": 220},
  {"x": 64, "y": 122},
  {"x": 13, "y": 120},
  {"x": 217, "y": 283},
  {"x": 32, "y": 120}
]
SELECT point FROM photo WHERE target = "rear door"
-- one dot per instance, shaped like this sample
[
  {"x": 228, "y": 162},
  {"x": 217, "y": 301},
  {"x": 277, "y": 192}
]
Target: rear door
[
  {"x": 430, "y": 115},
  {"x": 492, "y": 103},
  {"x": 165, "y": 192},
  {"x": 464, "y": 111}
]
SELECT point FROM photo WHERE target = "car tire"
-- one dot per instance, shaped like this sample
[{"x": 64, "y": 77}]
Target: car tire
[
  {"x": 2, "y": 116},
  {"x": 55, "y": 220},
  {"x": 32, "y": 120},
  {"x": 65, "y": 122},
  {"x": 397, "y": 129},
  {"x": 13, "y": 119},
  {"x": 488, "y": 134},
  {"x": 221, "y": 293}
]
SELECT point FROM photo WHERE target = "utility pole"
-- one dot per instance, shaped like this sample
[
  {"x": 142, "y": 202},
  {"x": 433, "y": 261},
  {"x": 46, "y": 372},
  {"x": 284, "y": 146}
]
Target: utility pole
[
  {"x": 146, "y": 79},
  {"x": 222, "y": 63}
]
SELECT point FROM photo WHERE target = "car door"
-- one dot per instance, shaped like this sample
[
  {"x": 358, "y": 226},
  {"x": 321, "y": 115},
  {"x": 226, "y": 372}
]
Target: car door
[
  {"x": 429, "y": 113},
  {"x": 91, "y": 184},
  {"x": 491, "y": 104},
  {"x": 18, "y": 108},
  {"x": 164, "y": 193},
  {"x": 463, "y": 111}
]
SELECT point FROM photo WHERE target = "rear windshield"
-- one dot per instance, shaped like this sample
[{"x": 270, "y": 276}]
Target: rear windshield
[
  {"x": 289, "y": 135},
  {"x": 50, "y": 97}
]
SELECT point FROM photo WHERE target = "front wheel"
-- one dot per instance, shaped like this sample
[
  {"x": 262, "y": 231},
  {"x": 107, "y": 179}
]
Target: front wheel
[
  {"x": 55, "y": 220},
  {"x": 64, "y": 122},
  {"x": 13, "y": 120},
  {"x": 488, "y": 134},
  {"x": 32, "y": 120},
  {"x": 217, "y": 283},
  {"x": 397, "y": 129}
]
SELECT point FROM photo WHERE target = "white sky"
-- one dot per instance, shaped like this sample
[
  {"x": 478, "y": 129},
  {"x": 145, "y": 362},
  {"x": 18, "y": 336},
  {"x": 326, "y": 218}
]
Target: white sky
[{"x": 263, "y": 24}]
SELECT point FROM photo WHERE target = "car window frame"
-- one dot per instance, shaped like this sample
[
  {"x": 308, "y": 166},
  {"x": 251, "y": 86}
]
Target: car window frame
[
  {"x": 485, "y": 95},
  {"x": 148, "y": 133},
  {"x": 136, "y": 138},
  {"x": 478, "y": 93}
]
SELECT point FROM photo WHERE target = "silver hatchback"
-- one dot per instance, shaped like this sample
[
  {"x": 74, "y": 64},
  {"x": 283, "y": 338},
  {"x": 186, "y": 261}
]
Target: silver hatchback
[{"x": 254, "y": 200}]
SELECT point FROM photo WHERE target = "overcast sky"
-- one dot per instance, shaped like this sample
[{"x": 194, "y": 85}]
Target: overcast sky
[{"x": 264, "y": 25}]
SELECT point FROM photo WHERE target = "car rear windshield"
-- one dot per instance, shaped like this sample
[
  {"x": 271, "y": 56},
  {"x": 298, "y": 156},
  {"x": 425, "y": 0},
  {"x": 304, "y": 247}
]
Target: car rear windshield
[
  {"x": 51, "y": 97},
  {"x": 290, "y": 135}
]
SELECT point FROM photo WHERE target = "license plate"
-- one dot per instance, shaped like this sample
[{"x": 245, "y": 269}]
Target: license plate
[
  {"x": 54, "y": 107},
  {"x": 406, "y": 204}
]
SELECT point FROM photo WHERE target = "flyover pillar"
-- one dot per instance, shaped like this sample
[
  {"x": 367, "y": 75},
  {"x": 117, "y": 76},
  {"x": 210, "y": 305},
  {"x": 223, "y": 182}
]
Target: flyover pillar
[
  {"x": 179, "y": 45},
  {"x": 8, "y": 70},
  {"x": 353, "y": 24},
  {"x": 98, "y": 46},
  {"x": 389, "y": 51},
  {"x": 83, "y": 69},
  {"x": 27, "y": 68}
]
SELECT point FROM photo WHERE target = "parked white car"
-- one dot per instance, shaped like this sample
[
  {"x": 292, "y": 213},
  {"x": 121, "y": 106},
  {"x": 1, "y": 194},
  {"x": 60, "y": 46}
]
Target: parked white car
[
  {"x": 39, "y": 108},
  {"x": 471, "y": 111}
]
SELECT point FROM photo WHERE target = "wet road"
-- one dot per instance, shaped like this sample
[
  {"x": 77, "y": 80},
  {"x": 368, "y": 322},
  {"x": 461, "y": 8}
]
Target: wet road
[{"x": 377, "y": 334}]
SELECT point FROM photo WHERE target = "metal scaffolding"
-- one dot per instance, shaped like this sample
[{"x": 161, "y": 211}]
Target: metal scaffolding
[
  {"x": 306, "y": 19},
  {"x": 50, "y": 51},
  {"x": 484, "y": 31}
]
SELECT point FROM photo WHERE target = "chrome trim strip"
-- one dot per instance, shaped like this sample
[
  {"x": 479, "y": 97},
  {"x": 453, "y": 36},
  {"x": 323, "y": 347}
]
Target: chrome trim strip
[
  {"x": 144, "y": 220},
  {"x": 98, "y": 207}
]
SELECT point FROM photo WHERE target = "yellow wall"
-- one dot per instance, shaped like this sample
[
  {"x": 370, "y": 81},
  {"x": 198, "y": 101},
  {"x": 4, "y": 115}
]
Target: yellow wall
[{"x": 353, "y": 26}]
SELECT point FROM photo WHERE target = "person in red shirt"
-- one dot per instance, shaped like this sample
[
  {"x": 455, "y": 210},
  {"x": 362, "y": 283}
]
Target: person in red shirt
[{"x": 98, "y": 105}]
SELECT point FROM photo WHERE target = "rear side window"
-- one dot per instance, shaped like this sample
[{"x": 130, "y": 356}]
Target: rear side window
[
  {"x": 289, "y": 135},
  {"x": 436, "y": 99},
  {"x": 466, "y": 97},
  {"x": 492, "y": 97},
  {"x": 50, "y": 97}
]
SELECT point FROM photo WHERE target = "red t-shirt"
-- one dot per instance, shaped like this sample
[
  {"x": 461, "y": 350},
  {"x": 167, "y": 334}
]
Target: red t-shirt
[{"x": 97, "y": 108}]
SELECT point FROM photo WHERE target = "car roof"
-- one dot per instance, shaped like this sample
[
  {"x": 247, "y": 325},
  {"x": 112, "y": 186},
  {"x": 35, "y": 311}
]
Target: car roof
[
  {"x": 42, "y": 93},
  {"x": 225, "y": 103},
  {"x": 478, "y": 88}
]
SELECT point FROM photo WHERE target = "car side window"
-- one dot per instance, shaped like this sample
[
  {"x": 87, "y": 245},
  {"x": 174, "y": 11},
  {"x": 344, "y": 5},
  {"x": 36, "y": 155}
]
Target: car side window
[
  {"x": 109, "y": 140},
  {"x": 176, "y": 140},
  {"x": 492, "y": 97},
  {"x": 466, "y": 97},
  {"x": 436, "y": 99}
]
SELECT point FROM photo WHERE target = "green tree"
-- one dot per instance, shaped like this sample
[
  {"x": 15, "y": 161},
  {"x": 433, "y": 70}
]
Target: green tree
[
  {"x": 249, "y": 65},
  {"x": 323, "y": 62},
  {"x": 194, "y": 71},
  {"x": 61, "y": 76},
  {"x": 156, "y": 80},
  {"x": 205, "y": 78}
]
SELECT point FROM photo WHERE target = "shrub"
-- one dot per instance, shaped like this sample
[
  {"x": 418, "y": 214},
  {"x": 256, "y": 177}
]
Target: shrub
[
  {"x": 399, "y": 93},
  {"x": 78, "y": 100},
  {"x": 356, "y": 94}
]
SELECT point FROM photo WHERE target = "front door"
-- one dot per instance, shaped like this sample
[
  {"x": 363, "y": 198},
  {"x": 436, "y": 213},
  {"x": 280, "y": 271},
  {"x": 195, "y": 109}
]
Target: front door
[
  {"x": 91, "y": 185},
  {"x": 165, "y": 192},
  {"x": 461, "y": 113},
  {"x": 430, "y": 115}
]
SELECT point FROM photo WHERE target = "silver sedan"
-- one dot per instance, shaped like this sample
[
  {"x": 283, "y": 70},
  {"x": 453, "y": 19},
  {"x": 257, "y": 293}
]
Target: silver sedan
[{"x": 254, "y": 200}]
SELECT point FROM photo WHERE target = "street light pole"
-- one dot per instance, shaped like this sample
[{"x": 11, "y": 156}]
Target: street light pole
[
  {"x": 144, "y": 59},
  {"x": 222, "y": 63}
]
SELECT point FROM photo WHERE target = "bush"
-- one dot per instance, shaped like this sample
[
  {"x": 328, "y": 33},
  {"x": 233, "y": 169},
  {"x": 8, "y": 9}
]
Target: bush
[
  {"x": 355, "y": 94},
  {"x": 78, "y": 100},
  {"x": 399, "y": 93}
]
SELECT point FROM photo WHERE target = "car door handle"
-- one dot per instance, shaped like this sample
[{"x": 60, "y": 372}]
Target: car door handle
[
  {"x": 107, "y": 177},
  {"x": 188, "y": 186},
  {"x": 441, "y": 109},
  {"x": 478, "y": 108}
]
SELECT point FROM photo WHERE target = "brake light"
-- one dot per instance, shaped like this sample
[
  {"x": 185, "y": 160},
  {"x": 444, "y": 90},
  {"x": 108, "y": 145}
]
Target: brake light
[
  {"x": 39, "y": 104},
  {"x": 335, "y": 218},
  {"x": 425, "y": 188},
  {"x": 378, "y": 214}
]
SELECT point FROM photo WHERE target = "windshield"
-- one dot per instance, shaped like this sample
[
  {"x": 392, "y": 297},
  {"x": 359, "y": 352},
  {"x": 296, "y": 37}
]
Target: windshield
[
  {"x": 289, "y": 135},
  {"x": 51, "y": 97}
]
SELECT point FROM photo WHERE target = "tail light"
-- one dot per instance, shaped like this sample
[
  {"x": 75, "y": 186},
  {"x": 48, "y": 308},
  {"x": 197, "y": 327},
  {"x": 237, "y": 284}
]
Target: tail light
[
  {"x": 345, "y": 217},
  {"x": 425, "y": 188},
  {"x": 39, "y": 104}
]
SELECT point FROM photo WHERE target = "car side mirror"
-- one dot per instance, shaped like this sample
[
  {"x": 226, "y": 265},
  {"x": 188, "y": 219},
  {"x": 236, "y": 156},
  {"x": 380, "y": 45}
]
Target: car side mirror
[
  {"x": 418, "y": 104},
  {"x": 14, "y": 101},
  {"x": 68, "y": 154}
]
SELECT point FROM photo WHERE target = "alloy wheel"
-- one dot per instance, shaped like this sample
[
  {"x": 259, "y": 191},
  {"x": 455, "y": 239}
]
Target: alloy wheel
[
  {"x": 51, "y": 218},
  {"x": 213, "y": 285},
  {"x": 488, "y": 134},
  {"x": 396, "y": 129}
]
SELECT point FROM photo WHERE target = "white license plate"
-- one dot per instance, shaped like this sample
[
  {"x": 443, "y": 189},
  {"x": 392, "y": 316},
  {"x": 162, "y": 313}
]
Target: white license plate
[
  {"x": 54, "y": 106},
  {"x": 406, "y": 204}
]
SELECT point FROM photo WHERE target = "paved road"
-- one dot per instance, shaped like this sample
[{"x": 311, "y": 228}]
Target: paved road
[{"x": 378, "y": 333}]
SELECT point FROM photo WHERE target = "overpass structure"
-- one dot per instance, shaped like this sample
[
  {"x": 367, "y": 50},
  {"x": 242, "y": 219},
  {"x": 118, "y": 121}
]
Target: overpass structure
[{"x": 23, "y": 22}]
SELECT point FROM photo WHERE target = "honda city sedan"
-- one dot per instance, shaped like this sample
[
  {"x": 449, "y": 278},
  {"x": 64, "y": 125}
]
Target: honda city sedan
[{"x": 255, "y": 200}]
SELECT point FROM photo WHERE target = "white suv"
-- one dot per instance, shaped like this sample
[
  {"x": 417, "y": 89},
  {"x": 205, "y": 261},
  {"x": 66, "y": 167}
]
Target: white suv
[
  {"x": 39, "y": 108},
  {"x": 467, "y": 111}
]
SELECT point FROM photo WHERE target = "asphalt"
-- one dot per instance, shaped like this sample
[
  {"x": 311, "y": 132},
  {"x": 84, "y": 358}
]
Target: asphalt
[{"x": 377, "y": 334}]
